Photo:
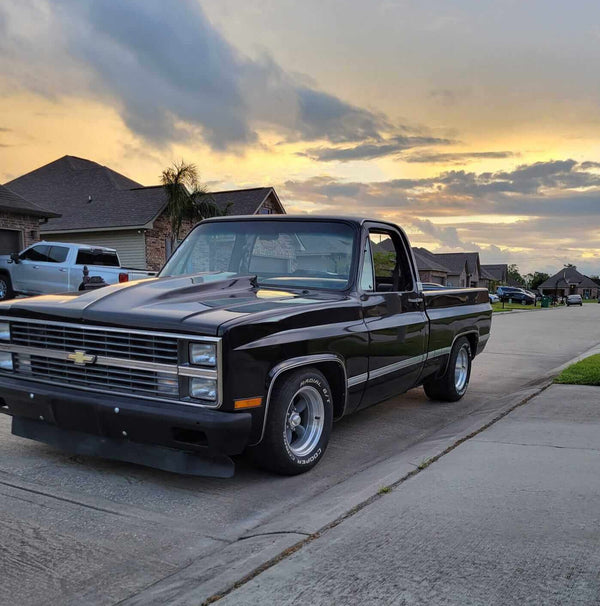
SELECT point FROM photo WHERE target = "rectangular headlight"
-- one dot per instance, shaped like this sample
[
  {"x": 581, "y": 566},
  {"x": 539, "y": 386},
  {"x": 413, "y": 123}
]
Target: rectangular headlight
[
  {"x": 4, "y": 331},
  {"x": 203, "y": 389},
  {"x": 6, "y": 361},
  {"x": 203, "y": 354}
]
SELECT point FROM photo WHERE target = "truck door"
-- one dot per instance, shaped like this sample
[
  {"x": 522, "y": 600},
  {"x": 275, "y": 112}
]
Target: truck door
[
  {"x": 54, "y": 275},
  {"x": 25, "y": 275},
  {"x": 394, "y": 313}
]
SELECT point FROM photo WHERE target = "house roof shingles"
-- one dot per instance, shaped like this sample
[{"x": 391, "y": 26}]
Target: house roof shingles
[
  {"x": 426, "y": 261},
  {"x": 67, "y": 184},
  {"x": 13, "y": 203},
  {"x": 566, "y": 277},
  {"x": 498, "y": 271}
]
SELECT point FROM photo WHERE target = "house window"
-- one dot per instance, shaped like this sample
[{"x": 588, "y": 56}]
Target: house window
[{"x": 264, "y": 210}]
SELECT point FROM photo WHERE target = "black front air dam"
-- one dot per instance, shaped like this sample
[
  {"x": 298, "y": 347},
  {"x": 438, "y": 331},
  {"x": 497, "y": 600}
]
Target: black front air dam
[
  {"x": 165, "y": 435},
  {"x": 159, "y": 457}
]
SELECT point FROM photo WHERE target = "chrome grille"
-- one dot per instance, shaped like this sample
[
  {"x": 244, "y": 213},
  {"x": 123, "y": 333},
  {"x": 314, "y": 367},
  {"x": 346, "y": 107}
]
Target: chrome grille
[
  {"x": 111, "y": 378},
  {"x": 116, "y": 344}
]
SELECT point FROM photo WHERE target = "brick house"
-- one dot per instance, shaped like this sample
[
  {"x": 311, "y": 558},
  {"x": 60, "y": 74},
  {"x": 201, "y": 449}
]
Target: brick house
[
  {"x": 569, "y": 281},
  {"x": 93, "y": 204},
  {"x": 429, "y": 269},
  {"x": 497, "y": 274},
  {"x": 20, "y": 221}
]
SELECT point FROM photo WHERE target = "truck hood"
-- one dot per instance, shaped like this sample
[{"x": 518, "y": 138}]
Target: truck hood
[{"x": 196, "y": 304}]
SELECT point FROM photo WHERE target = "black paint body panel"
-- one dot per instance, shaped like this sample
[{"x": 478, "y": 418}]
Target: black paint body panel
[{"x": 262, "y": 328}]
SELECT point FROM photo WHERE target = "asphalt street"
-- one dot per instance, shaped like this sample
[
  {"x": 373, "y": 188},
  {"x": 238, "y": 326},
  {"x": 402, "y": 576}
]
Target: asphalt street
[
  {"x": 83, "y": 530},
  {"x": 509, "y": 517}
]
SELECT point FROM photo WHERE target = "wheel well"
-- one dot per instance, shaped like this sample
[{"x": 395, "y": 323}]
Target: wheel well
[
  {"x": 473, "y": 339},
  {"x": 337, "y": 381},
  {"x": 336, "y": 377}
]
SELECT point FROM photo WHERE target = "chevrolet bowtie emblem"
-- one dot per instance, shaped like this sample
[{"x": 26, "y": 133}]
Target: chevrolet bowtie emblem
[{"x": 81, "y": 358}]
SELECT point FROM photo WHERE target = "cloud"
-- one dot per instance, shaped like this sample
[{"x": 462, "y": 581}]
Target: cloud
[
  {"x": 367, "y": 151},
  {"x": 560, "y": 201},
  {"x": 456, "y": 158},
  {"x": 446, "y": 235},
  {"x": 170, "y": 74}
]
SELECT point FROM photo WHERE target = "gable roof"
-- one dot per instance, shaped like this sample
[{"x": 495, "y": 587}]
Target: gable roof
[
  {"x": 244, "y": 201},
  {"x": 485, "y": 274},
  {"x": 567, "y": 276},
  {"x": 426, "y": 261},
  {"x": 13, "y": 203},
  {"x": 497, "y": 271},
  {"x": 456, "y": 261},
  {"x": 90, "y": 196}
]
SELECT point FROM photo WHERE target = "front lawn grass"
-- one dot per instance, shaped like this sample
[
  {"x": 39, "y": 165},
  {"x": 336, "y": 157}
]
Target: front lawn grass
[
  {"x": 511, "y": 306},
  {"x": 584, "y": 372}
]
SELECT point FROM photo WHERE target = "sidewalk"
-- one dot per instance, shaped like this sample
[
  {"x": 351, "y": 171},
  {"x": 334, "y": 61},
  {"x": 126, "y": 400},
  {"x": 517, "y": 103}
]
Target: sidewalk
[{"x": 511, "y": 516}]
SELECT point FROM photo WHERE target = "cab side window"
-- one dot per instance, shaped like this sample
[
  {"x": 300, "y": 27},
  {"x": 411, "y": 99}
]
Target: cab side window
[
  {"x": 58, "y": 254},
  {"x": 392, "y": 267},
  {"x": 37, "y": 253}
]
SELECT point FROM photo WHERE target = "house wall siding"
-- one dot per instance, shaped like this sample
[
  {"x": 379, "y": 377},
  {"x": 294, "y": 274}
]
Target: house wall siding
[
  {"x": 130, "y": 244},
  {"x": 25, "y": 224}
]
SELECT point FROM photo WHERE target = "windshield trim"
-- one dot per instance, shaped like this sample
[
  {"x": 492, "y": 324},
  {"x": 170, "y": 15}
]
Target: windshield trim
[{"x": 354, "y": 226}]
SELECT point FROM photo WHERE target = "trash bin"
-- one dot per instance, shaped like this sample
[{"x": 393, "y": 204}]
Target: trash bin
[{"x": 545, "y": 301}]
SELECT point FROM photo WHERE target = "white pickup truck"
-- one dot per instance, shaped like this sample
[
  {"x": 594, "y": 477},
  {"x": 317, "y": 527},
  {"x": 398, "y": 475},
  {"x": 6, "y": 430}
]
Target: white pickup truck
[{"x": 54, "y": 267}]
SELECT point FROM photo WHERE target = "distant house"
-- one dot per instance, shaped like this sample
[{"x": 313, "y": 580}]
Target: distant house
[
  {"x": 20, "y": 221},
  {"x": 569, "y": 281},
  {"x": 93, "y": 204},
  {"x": 429, "y": 269},
  {"x": 498, "y": 274}
]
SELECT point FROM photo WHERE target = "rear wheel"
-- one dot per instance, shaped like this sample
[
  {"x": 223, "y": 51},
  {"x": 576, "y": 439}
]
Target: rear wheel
[
  {"x": 6, "y": 291},
  {"x": 452, "y": 385},
  {"x": 299, "y": 423}
]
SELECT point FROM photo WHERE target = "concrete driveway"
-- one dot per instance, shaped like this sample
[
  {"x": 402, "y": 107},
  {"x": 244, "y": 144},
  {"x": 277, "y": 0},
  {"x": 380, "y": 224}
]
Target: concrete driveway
[{"x": 83, "y": 530}]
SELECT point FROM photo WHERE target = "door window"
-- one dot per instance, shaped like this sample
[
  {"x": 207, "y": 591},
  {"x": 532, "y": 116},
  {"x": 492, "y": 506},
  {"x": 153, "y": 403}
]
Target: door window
[
  {"x": 58, "y": 254},
  {"x": 392, "y": 268},
  {"x": 37, "y": 253}
]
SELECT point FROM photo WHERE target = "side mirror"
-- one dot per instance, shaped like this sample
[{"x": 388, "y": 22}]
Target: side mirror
[{"x": 14, "y": 257}]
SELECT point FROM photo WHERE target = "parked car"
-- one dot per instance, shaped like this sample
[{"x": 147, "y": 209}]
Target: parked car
[
  {"x": 54, "y": 267},
  {"x": 258, "y": 332},
  {"x": 574, "y": 300},
  {"x": 518, "y": 295},
  {"x": 494, "y": 298}
]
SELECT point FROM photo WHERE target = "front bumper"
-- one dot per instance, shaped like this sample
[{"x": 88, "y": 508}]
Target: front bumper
[{"x": 170, "y": 436}]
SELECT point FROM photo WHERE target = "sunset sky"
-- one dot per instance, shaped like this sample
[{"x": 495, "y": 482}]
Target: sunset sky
[{"x": 473, "y": 124}]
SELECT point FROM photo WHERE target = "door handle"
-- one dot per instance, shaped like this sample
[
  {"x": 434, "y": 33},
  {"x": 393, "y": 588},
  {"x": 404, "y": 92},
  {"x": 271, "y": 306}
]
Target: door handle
[
  {"x": 63, "y": 269},
  {"x": 416, "y": 300},
  {"x": 36, "y": 266}
]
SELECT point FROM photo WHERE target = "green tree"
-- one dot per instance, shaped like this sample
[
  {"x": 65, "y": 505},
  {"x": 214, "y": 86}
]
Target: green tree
[
  {"x": 188, "y": 199},
  {"x": 539, "y": 277},
  {"x": 514, "y": 277}
]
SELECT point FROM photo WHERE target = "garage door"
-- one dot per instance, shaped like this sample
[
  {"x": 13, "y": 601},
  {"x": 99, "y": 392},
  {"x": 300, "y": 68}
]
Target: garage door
[{"x": 10, "y": 241}]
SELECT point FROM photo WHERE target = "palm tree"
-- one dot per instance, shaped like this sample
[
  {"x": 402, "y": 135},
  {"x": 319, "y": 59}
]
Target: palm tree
[{"x": 187, "y": 198}]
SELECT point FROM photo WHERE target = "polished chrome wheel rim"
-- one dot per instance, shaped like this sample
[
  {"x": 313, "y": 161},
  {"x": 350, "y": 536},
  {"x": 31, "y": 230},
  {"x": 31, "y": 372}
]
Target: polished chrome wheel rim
[
  {"x": 304, "y": 421},
  {"x": 3, "y": 289},
  {"x": 461, "y": 369}
]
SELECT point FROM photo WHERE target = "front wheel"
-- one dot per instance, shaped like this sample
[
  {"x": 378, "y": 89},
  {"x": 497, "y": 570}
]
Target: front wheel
[
  {"x": 6, "y": 291},
  {"x": 452, "y": 385},
  {"x": 299, "y": 423}
]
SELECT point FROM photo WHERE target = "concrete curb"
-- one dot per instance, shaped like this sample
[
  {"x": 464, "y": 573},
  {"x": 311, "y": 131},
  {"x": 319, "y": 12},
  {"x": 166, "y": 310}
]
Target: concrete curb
[{"x": 290, "y": 531}]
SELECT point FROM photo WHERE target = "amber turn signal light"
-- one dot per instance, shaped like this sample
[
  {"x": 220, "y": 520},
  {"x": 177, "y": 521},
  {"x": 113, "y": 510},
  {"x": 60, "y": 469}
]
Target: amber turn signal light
[{"x": 248, "y": 403}]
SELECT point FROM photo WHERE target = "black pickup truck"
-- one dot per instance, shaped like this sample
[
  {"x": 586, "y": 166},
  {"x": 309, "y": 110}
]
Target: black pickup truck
[{"x": 258, "y": 333}]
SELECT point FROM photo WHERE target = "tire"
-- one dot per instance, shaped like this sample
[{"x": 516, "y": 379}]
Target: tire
[
  {"x": 452, "y": 385},
  {"x": 6, "y": 290},
  {"x": 300, "y": 400}
]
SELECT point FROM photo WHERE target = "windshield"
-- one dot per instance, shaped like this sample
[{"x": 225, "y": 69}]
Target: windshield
[{"x": 301, "y": 254}]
